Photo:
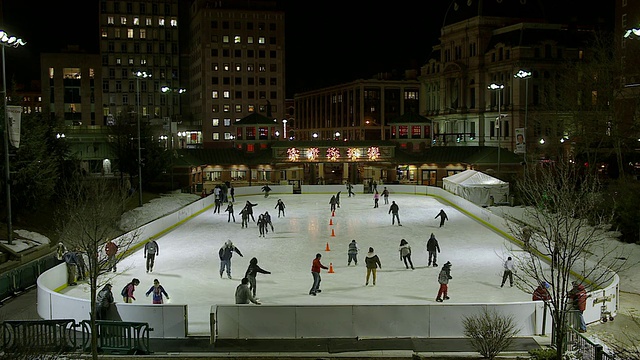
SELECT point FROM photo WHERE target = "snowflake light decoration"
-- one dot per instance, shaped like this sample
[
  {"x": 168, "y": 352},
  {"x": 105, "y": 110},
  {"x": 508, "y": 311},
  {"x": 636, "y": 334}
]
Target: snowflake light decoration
[
  {"x": 373, "y": 153},
  {"x": 333, "y": 153},
  {"x": 312, "y": 153},
  {"x": 294, "y": 154},
  {"x": 353, "y": 153}
]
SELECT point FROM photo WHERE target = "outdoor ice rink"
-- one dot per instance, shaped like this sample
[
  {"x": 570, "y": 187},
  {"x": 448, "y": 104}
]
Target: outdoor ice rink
[{"x": 188, "y": 264}]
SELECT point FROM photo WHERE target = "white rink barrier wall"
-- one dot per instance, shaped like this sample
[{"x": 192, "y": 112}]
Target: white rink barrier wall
[{"x": 240, "y": 321}]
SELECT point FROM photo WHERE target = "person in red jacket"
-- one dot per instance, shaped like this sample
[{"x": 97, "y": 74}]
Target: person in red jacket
[
  {"x": 315, "y": 272},
  {"x": 541, "y": 292},
  {"x": 578, "y": 296},
  {"x": 111, "y": 249}
]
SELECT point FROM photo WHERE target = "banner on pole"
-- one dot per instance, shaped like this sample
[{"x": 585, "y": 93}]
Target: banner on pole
[
  {"x": 14, "y": 114},
  {"x": 521, "y": 141}
]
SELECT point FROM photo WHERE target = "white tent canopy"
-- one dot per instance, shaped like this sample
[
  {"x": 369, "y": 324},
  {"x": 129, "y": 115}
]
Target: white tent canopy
[{"x": 477, "y": 187}]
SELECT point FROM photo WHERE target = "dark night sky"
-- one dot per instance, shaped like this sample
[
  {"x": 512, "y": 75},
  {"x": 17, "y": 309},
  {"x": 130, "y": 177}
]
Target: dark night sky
[{"x": 327, "y": 42}]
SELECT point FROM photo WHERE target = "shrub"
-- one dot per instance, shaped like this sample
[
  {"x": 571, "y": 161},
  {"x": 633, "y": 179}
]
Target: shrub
[
  {"x": 490, "y": 332},
  {"x": 543, "y": 354}
]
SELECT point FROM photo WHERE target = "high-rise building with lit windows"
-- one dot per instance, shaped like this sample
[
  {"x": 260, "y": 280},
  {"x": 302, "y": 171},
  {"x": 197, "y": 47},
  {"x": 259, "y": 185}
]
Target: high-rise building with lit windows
[{"x": 237, "y": 66}]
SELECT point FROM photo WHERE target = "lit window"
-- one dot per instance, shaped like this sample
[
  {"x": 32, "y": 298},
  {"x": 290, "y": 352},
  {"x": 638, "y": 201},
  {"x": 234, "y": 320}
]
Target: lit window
[
  {"x": 130, "y": 61},
  {"x": 143, "y": 34},
  {"x": 161, "y": 22},
  {"x": 250, "y": 68},
  {"x": 214, "y": 67},
  {"x": 215, "y": 122},
  {"x": 148, "y": 21},
  {"x": 261, "y": 40},
  {"x": 227, "y": 136},
  {"x": 227, "y": 122},
  {"x": 226, "y": 94},
  {"x": 174, "y": 22},
  {"x": 237, "y": 39},
  {"x": 143, "y": 61},
  {"x": 118, "y": 61},
  {"x": 225, "y": 39},
  {"x": 123, "y": 20},
  {"x": 226, "y": 108},
  {"x": 129, "y": 33},
  {"x": 250, "y": 39},
  {"x": 136, "y": 21},
  {"x": 238, "y": 108},
  {"x": 116, "y": 33},
  {"x": 104, "y": 33},
  {"x": 215, "y": 136},
  {"x": 214, "y": 94},
  {"x": 262, "y": 68},
  {"x": 238, "y": 67},
  {"x": 110, "y": 20},
  {"x": 251, "y": 108},
  {"x": 226, "y": 67}
]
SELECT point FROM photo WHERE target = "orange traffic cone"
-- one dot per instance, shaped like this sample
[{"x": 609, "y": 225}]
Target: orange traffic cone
[
  {"x": 327, "y": 248},
  {"x": 333, "y": 233},
  {"x": 333, "y": 213},
  {"x": 331, "y": 268},
  {"x": 330, "y": 221}
]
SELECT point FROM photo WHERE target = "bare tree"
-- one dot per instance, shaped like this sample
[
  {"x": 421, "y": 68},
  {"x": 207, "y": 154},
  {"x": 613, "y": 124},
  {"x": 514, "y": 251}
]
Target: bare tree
[
  {"x": 89, "y": 212},
  {"x": 569, "y": 237}
]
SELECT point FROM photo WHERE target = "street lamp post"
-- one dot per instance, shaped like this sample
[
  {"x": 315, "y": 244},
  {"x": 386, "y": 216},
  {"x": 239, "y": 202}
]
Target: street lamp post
[
  {"x": 523, "y": 74},
  {"x": 166, "y": 89},
  {"x": 12, "y": 41},
  {"x": 497, "y": 88},
  {"x": 139, "y": 75}
]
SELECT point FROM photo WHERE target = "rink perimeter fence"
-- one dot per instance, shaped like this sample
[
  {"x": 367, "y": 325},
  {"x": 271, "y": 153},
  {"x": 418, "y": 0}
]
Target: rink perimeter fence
[{"x": 231, "y": 321}]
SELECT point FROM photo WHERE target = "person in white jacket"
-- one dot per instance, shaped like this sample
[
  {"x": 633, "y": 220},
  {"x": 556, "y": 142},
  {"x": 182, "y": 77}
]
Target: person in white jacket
[
  {"x": 405, "y": 253},
  {"x": 508, "y": 272}
]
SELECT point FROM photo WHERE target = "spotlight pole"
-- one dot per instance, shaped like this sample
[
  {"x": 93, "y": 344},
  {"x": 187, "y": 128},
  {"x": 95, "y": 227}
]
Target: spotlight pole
[
  {"x": 498, "y": 88},
  {"x": 7, "y": 40},
  {"x": 139, "y": 75}
]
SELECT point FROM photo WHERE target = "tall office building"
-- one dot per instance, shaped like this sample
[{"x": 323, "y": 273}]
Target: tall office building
[
  {"x": 237, "y": 66},
  {"x": 139, "y": 37}
]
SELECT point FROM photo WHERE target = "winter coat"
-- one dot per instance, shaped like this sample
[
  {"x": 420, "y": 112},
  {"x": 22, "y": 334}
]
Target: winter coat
[
  {"x": 541, "y": 293},
  {"x": 578, "y": 296},
  {"x": 111, "y": 248},
  {"x": 243, "y": 295},
  {"x": 445, "y": 275},
  {"x": 157, "y": 293},
  {"x": 280, "y": 205},
  {"x": 353, "y": 248},
  {"x": 105, "y": 297},
  {"x": 372, "y": 261},
  {"x": 432, "y": 244},
  {"x": 130, "y": 289},
  {"x": 249, "y": 206},
  {"x": 316, "y": 265},
  {"x": 151, "y": 248},
  {"x": 70, "y": 258},
  {"x": 229, "y": 208},
  {"x": 254, "y": 269},
  {"x": 394, "y": 208},
  {"x": 226, "y": 252},
  {"x": 405, "y": 250},
  {"x": 443, "y": 216}
]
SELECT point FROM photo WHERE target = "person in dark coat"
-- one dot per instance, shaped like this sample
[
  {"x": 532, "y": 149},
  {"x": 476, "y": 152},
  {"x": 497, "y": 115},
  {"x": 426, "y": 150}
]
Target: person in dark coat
[
  {"x": 333, "y": 203},
  {"x": 316, "y": 267},
  {"x": 71, "y": 260},
  {"x": 350, "y": 189},
  {"x": 244, "y": 215},
  {"x": 104, "y": 299},
  {"x": 338, "y": 199},
  {"x": 229, "y": 209},
  {"x": 262, "y": 226},
  {"x": 267, "y": 221},
  {"x": 252, "y": 270},
  {"x": 433, "y": 249},
  {"x": 443, "y": 216},
  {"x": 266, "y": 190},
  {"x": 405, "y": 253},
  {"x": 225, "y": 253},
  {"x": 280, "y": 206},
  {"x": 232, "y": 191},
  {"x": 373, "y": 263},
  {"x": 249, "y": 206},
  {"x": 393, "y": 209},
  {"x": 353, "y": 252},
  {"x": 385, "y": 195},
  {"x": 443, "y": 279},
  {"x": 151, "y": 250}
]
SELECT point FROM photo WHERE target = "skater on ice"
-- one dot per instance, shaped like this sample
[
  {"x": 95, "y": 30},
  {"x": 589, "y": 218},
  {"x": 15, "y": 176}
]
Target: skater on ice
[
  {"x": 433, "y": 249},
  {"x": 443, "y": 216},
  {"x": 393, "y": 210},
  {"x": 252, "y": 270},
  {"x": 316, "y": 267},
  {"x": 280, "y": 206},
  {"x": 353, "y": 252},
  {"x": 373, "y": 263},
  {"x": 405, "y": 254},
  {"x": 443, "y": 279},
  {"x": 226, "y": 253}
]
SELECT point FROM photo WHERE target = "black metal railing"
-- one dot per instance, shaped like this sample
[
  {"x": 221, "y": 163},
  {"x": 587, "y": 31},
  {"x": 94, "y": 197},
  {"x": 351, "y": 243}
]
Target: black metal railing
[
  {"x": 39, "y": 336},
  {"x": 118, "y": 337}
]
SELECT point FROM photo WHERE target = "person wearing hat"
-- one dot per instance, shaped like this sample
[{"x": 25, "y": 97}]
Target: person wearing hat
[
  {"x": 542, "y": 292},
  {"x": 104, "y": 299},
  {"x": 373, "y": 263},
  {"x": 225, "y": 254},
  {"x": 443, "y": 279}
]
